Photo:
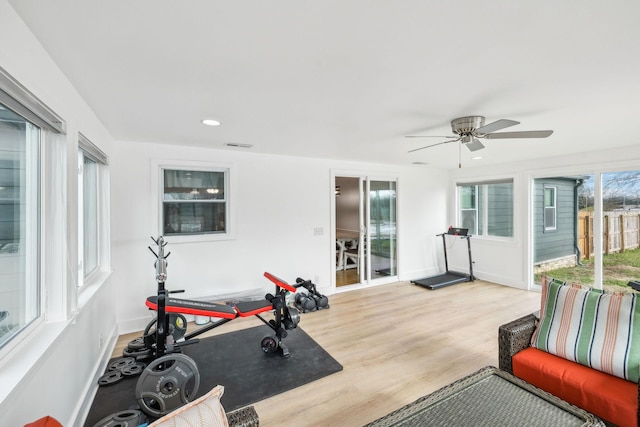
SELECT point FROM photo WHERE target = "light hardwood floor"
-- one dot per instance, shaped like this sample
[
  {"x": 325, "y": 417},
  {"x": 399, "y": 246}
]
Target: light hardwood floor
[{"x": 396, "y": 343}]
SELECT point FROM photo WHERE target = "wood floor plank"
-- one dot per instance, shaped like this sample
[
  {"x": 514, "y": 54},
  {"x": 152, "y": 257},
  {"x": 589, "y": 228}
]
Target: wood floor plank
[{"x": 396, "y": 343}]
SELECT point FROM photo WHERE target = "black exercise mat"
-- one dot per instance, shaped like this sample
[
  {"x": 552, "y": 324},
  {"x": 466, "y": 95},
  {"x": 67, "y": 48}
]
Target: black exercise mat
[{"x": 236, "y": 361}]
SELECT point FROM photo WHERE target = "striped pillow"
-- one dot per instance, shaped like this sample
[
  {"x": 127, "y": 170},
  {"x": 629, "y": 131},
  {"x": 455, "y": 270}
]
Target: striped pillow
[{"x": 587, "y": 326}]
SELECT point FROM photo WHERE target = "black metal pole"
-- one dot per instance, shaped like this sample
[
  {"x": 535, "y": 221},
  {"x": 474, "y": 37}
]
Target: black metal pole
[
  {"x": 471, "y": 278},
  {"x": 444, "y": 246}
]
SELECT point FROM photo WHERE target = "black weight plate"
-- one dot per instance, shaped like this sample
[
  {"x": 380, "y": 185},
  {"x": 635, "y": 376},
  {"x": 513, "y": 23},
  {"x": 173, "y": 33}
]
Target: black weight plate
[
  {"x": 133, "y": 370},
  {"x": 111, "y": 377},
  {"x": 130, "y": 418},
  {"x": 119, "y": 363},
  {"x": 137, "y": 344},
  {"x": 269, "y": 345},
  {"x": 166, "y": 384},
  {"x": 137, "y": 354},
  {"x": 177, "y": 327}
]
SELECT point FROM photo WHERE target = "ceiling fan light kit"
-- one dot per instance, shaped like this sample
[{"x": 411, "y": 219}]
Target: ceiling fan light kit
[{"x": 469, "y": 129}]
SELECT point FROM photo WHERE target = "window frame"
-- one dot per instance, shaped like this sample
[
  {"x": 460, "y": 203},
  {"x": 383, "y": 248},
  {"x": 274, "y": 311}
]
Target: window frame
[
  {"x": 89, "y": 151},
  {"x": 475, "y": 208},
  {"x": 43, "y": 259},
  {"x": 554, "y": 207},
  {"x": 483, "y": 207},
  {"x": 158, "y": 167}
]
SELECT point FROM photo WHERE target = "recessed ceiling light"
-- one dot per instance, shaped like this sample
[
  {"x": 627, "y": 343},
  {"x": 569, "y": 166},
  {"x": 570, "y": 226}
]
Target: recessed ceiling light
[
  {"x": 210, "y": 122},
  {"x": 476, "y": 158}
]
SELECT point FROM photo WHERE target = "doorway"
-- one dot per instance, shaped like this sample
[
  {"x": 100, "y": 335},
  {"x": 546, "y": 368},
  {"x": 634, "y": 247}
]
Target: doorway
[{"x": 365, "y": 230}]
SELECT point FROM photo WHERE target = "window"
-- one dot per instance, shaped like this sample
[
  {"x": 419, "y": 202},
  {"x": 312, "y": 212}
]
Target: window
[
  {"x": 486, "y": 209},
  {"x": 550, "y": 208},
  {"x": 91, "y": 164},
  {"x": 469, "y": 208},
  {"x": 24, "y": 124},
  {"x": 194, "y": 201},
  {"x": 19, "y": 219}
]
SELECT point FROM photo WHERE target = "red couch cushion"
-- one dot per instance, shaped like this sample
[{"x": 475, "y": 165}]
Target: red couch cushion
[{"x": 608, "y": 397}]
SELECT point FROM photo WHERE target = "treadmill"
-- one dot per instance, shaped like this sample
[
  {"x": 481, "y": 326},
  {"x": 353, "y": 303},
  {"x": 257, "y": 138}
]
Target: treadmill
[{"x": 449, "y": 277}]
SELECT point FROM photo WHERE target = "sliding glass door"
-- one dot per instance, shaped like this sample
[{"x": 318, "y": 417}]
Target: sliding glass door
[
  {"x": 365, "y": 230},
  {"x": 586, "y": 228}
]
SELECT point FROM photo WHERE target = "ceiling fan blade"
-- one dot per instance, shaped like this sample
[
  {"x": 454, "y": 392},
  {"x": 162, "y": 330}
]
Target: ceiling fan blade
[
  {"x": 525, "y": 134},
  {"x": 433, "y": 145},
  {"x": 497, "y": 125},
  {"x": 474, "y": 145},
  {"x": 428, "y": 136}
]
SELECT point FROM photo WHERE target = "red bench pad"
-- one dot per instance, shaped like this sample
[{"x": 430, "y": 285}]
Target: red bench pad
[
  {"x": 606, "y": 396},
  {"x": 197, "y": 308},
  {"x": 279, "y": 282},
  {"x": 251, "y": 308}
]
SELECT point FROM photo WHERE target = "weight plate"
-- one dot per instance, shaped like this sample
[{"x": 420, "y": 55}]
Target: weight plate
[
  {"x": 110, "y": 377},
  {"x": 137, "y": 344},
  {"x": 179, "y": 323},
  {"x": 132, "y": 415},
  {"x": 130, "y": 418},
  {"x": 119, "y": 363},
  {"x": 166, "y": 384},
  {"x": 177, "y": 326},
  {"x": 137, "y": 354},
  {"x": 133, "y": 370},
  {"x": 269, "y": 344}
]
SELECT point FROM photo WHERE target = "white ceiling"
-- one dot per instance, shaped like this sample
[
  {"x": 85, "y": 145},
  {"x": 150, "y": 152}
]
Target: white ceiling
[{"x": 347, "y": 79}]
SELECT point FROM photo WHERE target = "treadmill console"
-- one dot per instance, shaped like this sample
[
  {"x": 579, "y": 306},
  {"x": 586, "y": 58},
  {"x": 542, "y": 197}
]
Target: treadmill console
[{"x": 458, "y": 231}]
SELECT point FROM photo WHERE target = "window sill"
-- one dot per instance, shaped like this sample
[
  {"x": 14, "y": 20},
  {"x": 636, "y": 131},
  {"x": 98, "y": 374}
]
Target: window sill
[
  {"x": 197, "y": 238},
  {"x": 87, "y": 291},
  {"x": 495, "y": 240}
]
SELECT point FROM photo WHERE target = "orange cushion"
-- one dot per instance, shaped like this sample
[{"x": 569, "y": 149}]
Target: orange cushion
[
  {"x": 44, "y": 422},
  {"x": 606, "y": 396}
]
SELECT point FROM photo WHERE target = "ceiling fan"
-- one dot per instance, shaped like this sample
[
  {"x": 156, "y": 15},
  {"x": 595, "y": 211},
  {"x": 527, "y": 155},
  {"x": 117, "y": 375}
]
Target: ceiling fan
[{"x": 469, "y": 130}]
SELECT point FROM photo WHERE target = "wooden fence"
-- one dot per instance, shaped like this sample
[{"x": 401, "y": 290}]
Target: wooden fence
[{"x": 621, "y": 232}]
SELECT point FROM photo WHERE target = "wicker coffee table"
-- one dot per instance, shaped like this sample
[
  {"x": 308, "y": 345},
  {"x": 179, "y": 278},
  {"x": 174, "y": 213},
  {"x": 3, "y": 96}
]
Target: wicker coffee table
[{"x": 489, "y": 397}]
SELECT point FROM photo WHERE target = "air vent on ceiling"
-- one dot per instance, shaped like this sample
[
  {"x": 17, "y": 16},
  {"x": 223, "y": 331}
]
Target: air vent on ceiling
[{"x": 234, "y": 144}]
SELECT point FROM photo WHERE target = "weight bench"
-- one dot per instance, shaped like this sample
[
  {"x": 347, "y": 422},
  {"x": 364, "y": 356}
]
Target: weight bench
[
  {"x": 171, "y": 378},
  {"x": 209, "y": 309},
  {"x": 285, "y": 317}
]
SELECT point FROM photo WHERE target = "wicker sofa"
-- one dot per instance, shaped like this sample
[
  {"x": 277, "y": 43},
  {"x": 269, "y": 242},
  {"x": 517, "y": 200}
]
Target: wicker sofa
[{"x": 515, "y": 337}]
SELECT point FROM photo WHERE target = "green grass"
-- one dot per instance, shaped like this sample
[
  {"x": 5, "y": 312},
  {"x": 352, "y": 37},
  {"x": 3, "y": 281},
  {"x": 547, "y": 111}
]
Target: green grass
[{"x": 617, "y": 270}]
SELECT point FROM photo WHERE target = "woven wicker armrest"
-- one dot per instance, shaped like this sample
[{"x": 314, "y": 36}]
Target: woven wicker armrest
[
  {"x": 513, "y": 337},
  {"x": 243, "y": 417}
]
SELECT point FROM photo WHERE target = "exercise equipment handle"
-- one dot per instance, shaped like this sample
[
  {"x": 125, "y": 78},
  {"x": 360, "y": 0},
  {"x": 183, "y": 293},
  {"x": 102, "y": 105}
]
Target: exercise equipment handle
[{"x": 303, "y": 283}]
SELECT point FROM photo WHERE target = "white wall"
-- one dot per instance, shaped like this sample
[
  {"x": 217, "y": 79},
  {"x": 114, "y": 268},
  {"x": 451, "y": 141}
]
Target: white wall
[
  {"x": 279, "y": 202},
  {"x": 509, "y": 263},
  {"x": 52, "y": 371}
]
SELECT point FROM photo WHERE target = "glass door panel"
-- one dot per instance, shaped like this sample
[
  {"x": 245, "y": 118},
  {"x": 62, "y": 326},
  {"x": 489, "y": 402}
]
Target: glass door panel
[
  {"x": 621, "y": 229},
  {"x": 563, "y": 228},
  {"x": 381, "y": 236}
]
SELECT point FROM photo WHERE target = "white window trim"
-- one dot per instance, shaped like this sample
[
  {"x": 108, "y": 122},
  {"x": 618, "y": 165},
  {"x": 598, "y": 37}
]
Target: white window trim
[
  {"x": 474, "y": 209},
  {"x": 456, "y": 184},
  {"x": 97, "y": 276},
  {"x": 555, "y": 208},
  {"x": 158, "y": 165}
]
